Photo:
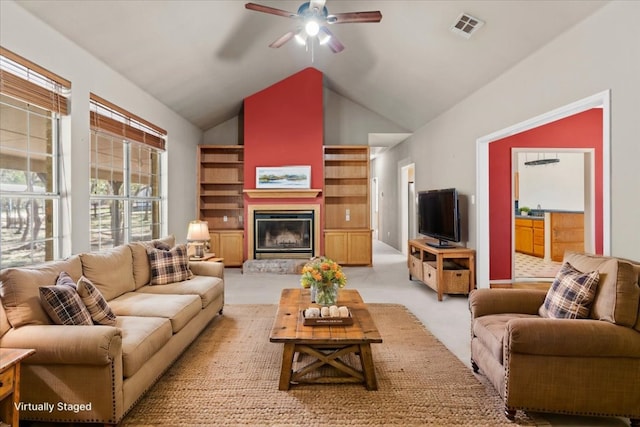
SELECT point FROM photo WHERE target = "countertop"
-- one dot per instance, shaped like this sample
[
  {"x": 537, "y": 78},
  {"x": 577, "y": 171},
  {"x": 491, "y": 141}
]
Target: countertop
[
  {"x": 538, "y": 215},
  {"x": 530, "y": 217}
]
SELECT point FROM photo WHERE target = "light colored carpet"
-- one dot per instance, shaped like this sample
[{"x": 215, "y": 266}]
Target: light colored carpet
[{"x": 229, "y": 376}]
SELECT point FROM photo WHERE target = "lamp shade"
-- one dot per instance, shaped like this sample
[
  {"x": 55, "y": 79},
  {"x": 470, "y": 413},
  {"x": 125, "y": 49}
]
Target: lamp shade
[{"x": 198, "y": 231}]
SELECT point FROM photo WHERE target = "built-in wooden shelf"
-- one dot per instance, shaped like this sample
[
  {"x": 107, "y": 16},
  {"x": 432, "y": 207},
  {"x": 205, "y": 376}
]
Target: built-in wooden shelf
[
  {"x": 347, "y": 208},
  {"x": 282, "y": 193}
]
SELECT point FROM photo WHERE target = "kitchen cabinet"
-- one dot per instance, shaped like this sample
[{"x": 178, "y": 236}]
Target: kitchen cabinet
[
  {"x": 567, "y": 233},
  {"x": 538, "y": 238},
  {"x": 529, "y": 236}
]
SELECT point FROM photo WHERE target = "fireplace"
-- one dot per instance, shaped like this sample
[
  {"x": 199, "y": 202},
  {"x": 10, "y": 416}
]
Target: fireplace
[{"x": 283, "y": 234}]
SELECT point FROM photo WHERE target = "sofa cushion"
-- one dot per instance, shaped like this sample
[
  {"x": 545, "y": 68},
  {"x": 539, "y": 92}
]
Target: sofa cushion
[
  {"x": 618, "y": 295},
  {"x": 64, "y": 306},
  {"x": 490, "y": 331},
  {"x": 169, "y": 266},
  {"x": 142, "y": 337},
  {"x": 96, "y": 304},
  {"x": 179, "y": 309},
  {"x": 141, "y": 267},
  {"x": 5, "y": 326},
  {"x": 571, "y": 294},
  {"x": 636, "y": 270},
  {"x": 206, "y": 287},
  {"x": 111, "y": 271},
  {"x": 20, "y": 289}
]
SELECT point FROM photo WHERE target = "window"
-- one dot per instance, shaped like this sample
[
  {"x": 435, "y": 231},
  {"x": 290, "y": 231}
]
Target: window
[
  {"x": 32, "y": 100},
  {"x": 125, "y": 176}
]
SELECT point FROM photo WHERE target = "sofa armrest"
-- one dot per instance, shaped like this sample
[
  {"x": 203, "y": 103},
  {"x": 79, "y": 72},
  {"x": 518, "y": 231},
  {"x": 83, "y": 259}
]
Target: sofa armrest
[
  {"x": 496, "y": 301},
  {"x": 207, "y": 268},
  {"x": 571, "y": 337},
  {"x": 67, "y": 345}
]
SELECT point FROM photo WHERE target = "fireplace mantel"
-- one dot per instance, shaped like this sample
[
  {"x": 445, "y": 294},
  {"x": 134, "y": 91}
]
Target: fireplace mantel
[{"x": 282, "y": 193}]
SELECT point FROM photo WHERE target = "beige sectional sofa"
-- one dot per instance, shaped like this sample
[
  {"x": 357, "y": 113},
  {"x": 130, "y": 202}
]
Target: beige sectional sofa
[
  {"x": 107, "y": 369},
  {"x": 587, "y": 366}
]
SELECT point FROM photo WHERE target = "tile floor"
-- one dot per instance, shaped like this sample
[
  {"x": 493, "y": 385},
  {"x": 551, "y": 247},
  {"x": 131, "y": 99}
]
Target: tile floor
[{"x": 527, "y": 266}]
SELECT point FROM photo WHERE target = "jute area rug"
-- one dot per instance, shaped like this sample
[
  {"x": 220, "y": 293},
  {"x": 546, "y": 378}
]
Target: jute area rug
[{"x": 229, "y": 376}]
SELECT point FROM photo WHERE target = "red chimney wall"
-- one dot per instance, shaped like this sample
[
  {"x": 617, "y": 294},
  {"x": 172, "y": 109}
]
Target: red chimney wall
[{"x": 283, "y": 126}]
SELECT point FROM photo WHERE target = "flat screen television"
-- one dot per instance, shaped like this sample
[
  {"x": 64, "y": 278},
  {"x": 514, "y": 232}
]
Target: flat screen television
[{"x": 439, "y": 217}]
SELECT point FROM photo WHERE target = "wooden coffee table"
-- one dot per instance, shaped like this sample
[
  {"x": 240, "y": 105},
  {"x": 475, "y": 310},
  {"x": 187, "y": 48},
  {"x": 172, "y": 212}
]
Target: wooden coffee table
[{"x": 327, "y": 345}]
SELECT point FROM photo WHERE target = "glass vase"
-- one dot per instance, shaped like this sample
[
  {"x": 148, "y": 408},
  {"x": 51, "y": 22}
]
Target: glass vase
[
  {"x": 313, "y": 289},
  {"x": 327, "y": 294}
]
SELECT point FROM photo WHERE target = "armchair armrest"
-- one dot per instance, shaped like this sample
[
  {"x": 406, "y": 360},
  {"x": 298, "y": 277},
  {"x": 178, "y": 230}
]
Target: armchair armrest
[
  {"x": 569, "y": 337},
  {"x": 495, "y": 301},
  {"x": 207, "y": 268},
  {"x": 67, "y": 345}
]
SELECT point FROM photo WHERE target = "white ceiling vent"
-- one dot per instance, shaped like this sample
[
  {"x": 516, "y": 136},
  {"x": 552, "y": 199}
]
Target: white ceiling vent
[{"x": 466, "y": 25}]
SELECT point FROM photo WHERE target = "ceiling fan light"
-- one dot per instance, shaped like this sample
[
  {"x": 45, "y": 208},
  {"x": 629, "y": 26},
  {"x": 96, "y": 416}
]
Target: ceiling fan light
[
  {"x": 301, "y": 37},
  {"x": 312, "y": 28},
  {"x": 324, "y": 36}
]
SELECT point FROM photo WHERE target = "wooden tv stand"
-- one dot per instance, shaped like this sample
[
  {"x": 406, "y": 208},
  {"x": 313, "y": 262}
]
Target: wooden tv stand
[{"x": 446, "y": 271}]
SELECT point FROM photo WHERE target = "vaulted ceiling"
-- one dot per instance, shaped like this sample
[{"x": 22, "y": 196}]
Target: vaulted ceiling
[{"x": 201, "y": 58}]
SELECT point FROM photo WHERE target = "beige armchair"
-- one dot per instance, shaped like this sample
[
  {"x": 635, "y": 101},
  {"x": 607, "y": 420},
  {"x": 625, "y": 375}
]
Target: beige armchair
[{"x": 571, "y": 366}]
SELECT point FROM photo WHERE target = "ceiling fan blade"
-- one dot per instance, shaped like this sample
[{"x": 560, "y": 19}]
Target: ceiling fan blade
[
  {"x": 282, "y": 39},
  {"x": 354, "y": 17},
  {"x": 271, "y": 10},
  {"x": 334, "y": 44},
  {"x": 326, "y": 37}
]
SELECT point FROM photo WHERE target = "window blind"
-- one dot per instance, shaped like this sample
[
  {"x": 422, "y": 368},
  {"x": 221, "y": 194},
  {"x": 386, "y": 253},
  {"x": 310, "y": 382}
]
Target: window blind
[
  {"x": 24, "y": 80},
  {"x": 110, "y": 118}
]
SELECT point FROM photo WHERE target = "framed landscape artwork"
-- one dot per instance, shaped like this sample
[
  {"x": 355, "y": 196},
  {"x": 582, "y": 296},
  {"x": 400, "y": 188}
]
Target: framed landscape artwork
[{"x": 283, "y": 177}]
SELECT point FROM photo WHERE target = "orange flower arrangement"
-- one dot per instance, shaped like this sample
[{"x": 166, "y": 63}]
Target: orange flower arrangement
[{"x": 322, "y": 272}]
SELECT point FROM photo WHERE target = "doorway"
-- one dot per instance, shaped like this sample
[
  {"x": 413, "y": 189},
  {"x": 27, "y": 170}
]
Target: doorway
[
  {"x": 494, "y": 249},
  {"x": 407, "y": 205},
  {"x": 375, "y": 213},
  {"x": 552, "y": 187}
]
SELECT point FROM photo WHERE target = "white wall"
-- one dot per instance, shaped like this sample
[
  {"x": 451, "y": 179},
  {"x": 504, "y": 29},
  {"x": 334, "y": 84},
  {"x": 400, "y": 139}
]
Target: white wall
[
  {"x": 225, "y": 133},
  {"x": 348, "y": 123},
  {"x": 556, "y": 186},
  {"x": 600, "y": 53},
  {"x": 29, "y": 37}
]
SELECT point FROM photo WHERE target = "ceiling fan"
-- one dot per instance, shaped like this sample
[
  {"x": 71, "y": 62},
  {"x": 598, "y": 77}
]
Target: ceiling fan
[{"x": 312, "y": 17}]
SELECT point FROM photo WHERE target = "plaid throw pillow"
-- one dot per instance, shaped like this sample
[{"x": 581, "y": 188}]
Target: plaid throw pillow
[
  {"x": 65, "y": 280},
  {"x": 96, "y": 304},
  {"x": 169, "y": 266},
  {"x": 571, "y": 294},
  {"x": 64, "y": 306}
]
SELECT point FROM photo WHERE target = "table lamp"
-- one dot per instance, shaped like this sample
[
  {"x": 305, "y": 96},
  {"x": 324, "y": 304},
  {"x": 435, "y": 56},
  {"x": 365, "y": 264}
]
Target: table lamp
[{"x": 197, "y": 234}]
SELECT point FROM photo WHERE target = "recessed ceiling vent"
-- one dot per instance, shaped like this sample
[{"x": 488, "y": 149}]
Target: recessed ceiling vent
[{"x": 466, "y": 25}]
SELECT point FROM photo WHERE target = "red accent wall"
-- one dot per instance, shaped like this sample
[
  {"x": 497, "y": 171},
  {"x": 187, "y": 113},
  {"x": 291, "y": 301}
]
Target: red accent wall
[
  {"x": 283, "y": 126},
  {"x": 582, "y": 130}
]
